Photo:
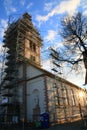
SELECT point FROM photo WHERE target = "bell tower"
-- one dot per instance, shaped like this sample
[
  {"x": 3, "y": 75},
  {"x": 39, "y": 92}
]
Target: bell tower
[
  {"x": 31, "y": 40},
  {"x": 22, "y": 43}
]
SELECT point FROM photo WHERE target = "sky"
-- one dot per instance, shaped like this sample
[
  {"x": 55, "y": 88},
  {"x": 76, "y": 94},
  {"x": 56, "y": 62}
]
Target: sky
[{"x": 46, "y": 16}]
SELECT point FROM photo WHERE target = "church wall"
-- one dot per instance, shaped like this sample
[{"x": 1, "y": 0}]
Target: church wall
[
  {"x": 65, "y": 96},
  {"x": 65, "y": 101},
  {"x": 33, "y": 72},
  {"x": 35, "y": 98},
  {"x": 20, "y": 72}
]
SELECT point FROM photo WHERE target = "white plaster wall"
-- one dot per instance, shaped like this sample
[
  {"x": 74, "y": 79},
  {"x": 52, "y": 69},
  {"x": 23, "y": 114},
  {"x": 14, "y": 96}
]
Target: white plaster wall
[
  {"x": 32, "y": 71},
  {"x": 31, "y": 86},
  {"x": 20, "y": 71},
  {"x": 20, "y": 94}
]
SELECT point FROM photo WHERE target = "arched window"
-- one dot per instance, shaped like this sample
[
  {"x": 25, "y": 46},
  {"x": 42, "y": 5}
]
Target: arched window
[{"x": 35, "y": 97}]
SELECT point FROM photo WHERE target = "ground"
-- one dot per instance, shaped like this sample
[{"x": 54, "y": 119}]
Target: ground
[{"x": 78, "y": 125}]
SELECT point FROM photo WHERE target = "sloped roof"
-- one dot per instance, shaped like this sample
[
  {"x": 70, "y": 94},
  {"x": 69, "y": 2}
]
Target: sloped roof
[{"x": 47, "y": 73}]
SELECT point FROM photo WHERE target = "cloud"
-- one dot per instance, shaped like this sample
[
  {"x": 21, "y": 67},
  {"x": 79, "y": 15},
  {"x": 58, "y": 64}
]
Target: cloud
[
  {"x": 84, "y": 4},
  {"x": 9, "y": 8},
  {"x": 1, "y": 33},
  {"x": 3, "y": 23},
  {"x": 69, "y": 7},
  {"x": 51, "y": 35},
  {"x": 12, "y": 9},
  {"x": 84, "y": 7},
  {"x": 77, "y": 79},
  {"x": 1, "y": 49},
  {"x": 48, "y": 6},
  {"x": 71, "y": 76},
  {"x": 46, "y": 64},
  {"x": 3, "y": 26},
  {"x": 29, "y": 5},
  {"x": 85, "y": 13}
]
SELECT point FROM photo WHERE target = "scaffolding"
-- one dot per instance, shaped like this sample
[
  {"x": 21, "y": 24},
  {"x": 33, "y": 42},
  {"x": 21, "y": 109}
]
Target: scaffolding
[
  {"x": 59, "y": 108},
  {"x": 15, "y": 53},
  {"x": 64, "y": 107}
]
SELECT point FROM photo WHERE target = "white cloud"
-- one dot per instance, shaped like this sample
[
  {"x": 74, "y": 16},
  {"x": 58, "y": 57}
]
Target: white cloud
[
  {"x": 58, "y": 45},
  {"x": 12, "y": 9},
  {"x": 84, "y": 4},
  {"x": 3, "y": 26},
  {"x": 73, "y": 77},
  {"x": 85, "y": 13},
  {"x": 46, "y": 64},
  {"x": 48, "y": 6},
  {"x": 69, "y": 7},
  {"x": 77, "y": 79},
  {"x": 29, "y": 5},
  {"x": 0, "y": 46},
  {"x": 1, "y": 33},
  {"x": 2, "y": 50},
  {"x": 84, "y": 7},
  {"x": 51, "y": 35},
  {"x": 9, "y": 8}
]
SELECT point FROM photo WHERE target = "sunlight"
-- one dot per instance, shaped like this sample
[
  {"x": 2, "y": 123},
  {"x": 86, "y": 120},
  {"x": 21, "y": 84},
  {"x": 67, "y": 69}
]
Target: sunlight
[{"x": 81, "y": 94}]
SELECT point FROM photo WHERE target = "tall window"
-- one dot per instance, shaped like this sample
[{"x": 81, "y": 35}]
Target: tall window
[
  {"x": 32, "y": 46},
  {"x": 32, "y": 58},
  {"x": 35, "y": 97},
  {"x": 71, "y": 97}
]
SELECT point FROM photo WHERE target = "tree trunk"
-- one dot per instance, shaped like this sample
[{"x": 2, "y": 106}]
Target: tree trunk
[
  {"x": 86, "y": 77},
  {"x": 85, "y": 64}
]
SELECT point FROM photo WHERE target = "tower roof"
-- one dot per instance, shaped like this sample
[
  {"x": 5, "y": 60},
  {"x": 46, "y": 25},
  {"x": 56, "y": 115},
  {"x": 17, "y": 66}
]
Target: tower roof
[{"x": 26, "y": 15}]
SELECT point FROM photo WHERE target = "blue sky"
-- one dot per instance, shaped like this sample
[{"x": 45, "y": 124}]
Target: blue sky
[{"x": 46, "y": 16}]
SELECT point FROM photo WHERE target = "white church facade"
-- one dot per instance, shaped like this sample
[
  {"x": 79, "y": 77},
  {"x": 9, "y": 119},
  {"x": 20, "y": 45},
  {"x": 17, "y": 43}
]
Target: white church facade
[
  {"x": 63, "y": 100},
  {"x": 27, "y": 90}
]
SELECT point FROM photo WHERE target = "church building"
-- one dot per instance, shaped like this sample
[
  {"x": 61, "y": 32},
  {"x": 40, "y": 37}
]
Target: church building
[{"x": 28, "y": 90}]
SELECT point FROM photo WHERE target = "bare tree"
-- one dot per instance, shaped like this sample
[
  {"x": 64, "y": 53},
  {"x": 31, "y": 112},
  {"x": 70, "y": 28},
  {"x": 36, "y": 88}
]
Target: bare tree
[{"x": 74, "y": 33}]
